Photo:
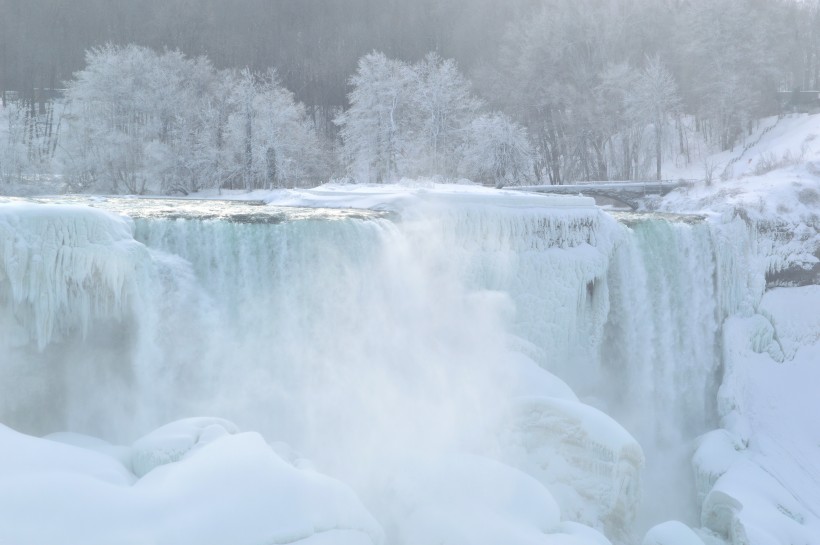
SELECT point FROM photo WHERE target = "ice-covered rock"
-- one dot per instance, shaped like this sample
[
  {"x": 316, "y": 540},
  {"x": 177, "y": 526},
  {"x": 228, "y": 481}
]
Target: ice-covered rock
[
  {"x": 468, "y": 500},
  {"x": 671, "y": 533},
  {"x": 794, "y": 315},
  {"x": 587, "y": 460},
  {"x": 232, "y": 488},
  {"x": 715, "y": 453},
  {"x": 172, "y": 442}
]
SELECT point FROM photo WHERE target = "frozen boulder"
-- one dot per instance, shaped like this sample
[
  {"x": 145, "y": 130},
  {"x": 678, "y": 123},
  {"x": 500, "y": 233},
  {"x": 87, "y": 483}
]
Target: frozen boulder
[
  {"x": 173, "y": 441},
  {"x": 671, "y": 533},
  {"x": 236, "y": 485},
  {"x": 715, "y": 453},
  {"x": 23, "y": 457},
  {"x": 226, "y": 488},
  {"x": 589, "y": 462},
  {"x": 468, "y": 500}
]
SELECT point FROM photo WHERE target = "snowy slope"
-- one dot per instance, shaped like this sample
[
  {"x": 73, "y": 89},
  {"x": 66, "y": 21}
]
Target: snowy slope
[{"x": 775, "y": 189}]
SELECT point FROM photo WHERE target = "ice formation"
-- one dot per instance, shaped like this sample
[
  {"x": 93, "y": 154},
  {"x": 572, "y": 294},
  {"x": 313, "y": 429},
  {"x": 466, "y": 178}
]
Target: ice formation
[{"x": 63, "y": 266}]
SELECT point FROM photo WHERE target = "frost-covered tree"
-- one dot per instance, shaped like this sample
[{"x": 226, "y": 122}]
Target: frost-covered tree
[
  {"x": 652, "y": 100},
  {"x": 497, "y": 151},
  {"x": 375, "y": 127},
  {"x": 116, "y": 118},
  {"x": 273, "y": 143},
  {"x": 625, "y": 140},
  {"x": 442, "y": 108},
  {"x": 548, "y": 73},
  {"x": 406, "y": 120},
  {"x": 139, "y": 121},
  {"x": 13, "y": 160},
  {"x": 731, "y": 61}
]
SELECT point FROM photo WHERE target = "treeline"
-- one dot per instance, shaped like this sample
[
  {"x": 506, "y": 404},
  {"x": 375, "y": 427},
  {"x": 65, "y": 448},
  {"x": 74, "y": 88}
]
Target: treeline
[
  {"x": 543, "y": 91},
  {"x": 573, "y": 71},
  {"x": 137, "y": 121}
]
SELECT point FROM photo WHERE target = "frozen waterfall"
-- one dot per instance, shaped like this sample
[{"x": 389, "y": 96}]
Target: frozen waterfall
[{"x": 515, "y": 361}]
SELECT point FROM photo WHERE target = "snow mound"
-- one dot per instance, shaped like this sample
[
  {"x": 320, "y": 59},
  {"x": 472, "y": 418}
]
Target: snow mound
[
  {"x": 231, "y": 488},
  {"x": 172, "y": 442},
  {"x": 468, "y": 500},
  {"x": 671, "y": 533},
  {"x": 764, "y": 469},
  {"x": 120, "y": 453}
]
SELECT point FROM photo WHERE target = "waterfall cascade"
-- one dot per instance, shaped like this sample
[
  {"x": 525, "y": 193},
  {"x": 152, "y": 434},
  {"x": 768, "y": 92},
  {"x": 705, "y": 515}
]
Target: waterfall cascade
[{"x": 554, "y": 340}]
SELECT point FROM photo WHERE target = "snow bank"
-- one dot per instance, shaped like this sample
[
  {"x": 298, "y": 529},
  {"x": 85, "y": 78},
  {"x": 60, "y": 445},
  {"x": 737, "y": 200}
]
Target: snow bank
[
  {"x": 234, "y": 489},
  {"x": 765, "y": 469},
  {"x": 397, "y": 197},
  {"x": 466, "y": 500},
  {"x": 795, "y": 316}
]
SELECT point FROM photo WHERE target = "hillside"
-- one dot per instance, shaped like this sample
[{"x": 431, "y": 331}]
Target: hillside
[{"x": 773, "y": 181}]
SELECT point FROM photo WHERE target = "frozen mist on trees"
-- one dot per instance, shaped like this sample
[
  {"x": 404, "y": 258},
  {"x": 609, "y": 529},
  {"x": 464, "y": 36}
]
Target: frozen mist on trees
[{"x": 600, "y": 94}]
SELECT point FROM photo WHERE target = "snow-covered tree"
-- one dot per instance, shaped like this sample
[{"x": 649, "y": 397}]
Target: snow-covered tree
[
  {"x": 375, "y": 127},
  {"x": 406, "y": 120},
  {"x": 13, "y": 160},
  {"x": 442, "y": 108},
  {"x": 497, "y": 151},
  {"x": 115, "y": 114},
  {"x": 273, "y": 143},
  {"x": 653, "y": 99},
  {"x": 140, "y": 122}
]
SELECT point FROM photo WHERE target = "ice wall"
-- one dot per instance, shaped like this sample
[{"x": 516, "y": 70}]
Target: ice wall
[
  {"x": 69, "y": 284},
  {"x": 63, "y": 266}
]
